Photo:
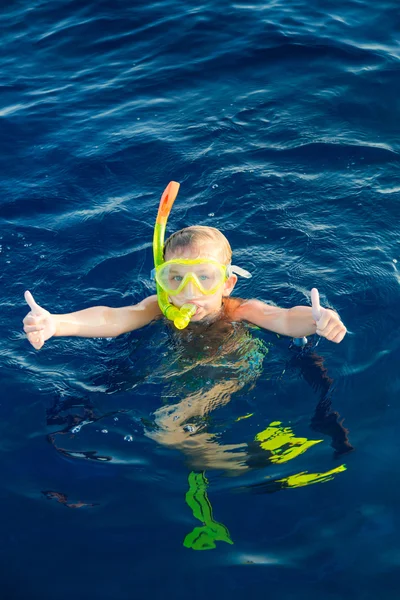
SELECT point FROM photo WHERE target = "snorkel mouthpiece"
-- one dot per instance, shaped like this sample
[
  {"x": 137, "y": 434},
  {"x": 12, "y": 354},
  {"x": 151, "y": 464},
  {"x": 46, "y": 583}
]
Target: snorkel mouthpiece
[{"x": 180, "y": 316}]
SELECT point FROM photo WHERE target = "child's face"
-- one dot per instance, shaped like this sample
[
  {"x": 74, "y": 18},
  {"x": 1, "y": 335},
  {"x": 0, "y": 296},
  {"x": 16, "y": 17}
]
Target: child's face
[{"x": 207, "y": 305}]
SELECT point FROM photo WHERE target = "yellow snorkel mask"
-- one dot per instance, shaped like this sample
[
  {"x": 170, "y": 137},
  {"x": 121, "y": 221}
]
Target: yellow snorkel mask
[
  {"x": 206, "y": 274},
  {"x": 180, "y": 316}
]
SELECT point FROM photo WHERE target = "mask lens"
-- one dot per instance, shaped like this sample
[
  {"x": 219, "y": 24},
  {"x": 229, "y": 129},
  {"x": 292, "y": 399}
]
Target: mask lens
[
  {"x": 209, "y": 276},
  {"x": 173, "y": 277}
]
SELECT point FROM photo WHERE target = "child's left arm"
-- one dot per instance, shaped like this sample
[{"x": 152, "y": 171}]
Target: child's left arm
[{"x": 294, "y": 322}]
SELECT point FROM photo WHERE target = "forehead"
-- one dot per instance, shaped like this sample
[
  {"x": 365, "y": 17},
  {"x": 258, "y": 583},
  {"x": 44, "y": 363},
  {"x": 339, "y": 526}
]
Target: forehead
[{"x": 209, "y": 250}]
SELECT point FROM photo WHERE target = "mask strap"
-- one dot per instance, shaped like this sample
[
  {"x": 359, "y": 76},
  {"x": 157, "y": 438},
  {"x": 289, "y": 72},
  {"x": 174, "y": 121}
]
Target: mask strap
[
  {"x": 229, "y": 270},
  {"x": 238, "y": 271}
]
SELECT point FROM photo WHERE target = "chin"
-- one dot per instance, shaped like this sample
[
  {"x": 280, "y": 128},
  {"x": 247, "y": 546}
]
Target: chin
[
  {"x": 204, "y": 316},
  {"x": 199, "y": 315}
]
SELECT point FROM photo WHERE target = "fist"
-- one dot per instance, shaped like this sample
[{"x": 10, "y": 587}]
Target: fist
[
  {"x": 39, "y": 324},
  {"x": 327, "y": 321}
]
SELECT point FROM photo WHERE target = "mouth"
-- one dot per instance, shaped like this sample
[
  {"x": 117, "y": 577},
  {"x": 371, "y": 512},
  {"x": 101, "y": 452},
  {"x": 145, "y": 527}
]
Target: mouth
[
  {"x": 198, "y": 307},
  {"x": 198, "y": 304}
]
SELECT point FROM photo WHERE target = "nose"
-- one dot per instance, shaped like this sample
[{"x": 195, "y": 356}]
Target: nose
[{"x": 190, "y": 290}]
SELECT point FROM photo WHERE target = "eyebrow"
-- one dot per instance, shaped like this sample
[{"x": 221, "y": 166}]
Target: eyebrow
[{"x": 174, "y": 270}]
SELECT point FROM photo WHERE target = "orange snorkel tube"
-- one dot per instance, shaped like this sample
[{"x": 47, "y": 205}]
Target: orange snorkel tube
[{"x": 180, "y": 316}]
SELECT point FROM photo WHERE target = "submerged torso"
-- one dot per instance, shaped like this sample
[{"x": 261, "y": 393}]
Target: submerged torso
[{"x": 214, "y": 350}]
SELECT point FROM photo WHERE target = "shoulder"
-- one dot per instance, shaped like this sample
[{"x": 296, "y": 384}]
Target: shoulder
[
  {"x": 233, "y": 308},
  {"x": 149, "y": 301},
  {"x": 149, "y": 305},
  {"x": 251, "y": 310}
]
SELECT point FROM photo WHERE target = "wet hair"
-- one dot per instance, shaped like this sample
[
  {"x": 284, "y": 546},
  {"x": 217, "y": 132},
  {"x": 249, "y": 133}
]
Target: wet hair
[{"x": 197, "y": 235}]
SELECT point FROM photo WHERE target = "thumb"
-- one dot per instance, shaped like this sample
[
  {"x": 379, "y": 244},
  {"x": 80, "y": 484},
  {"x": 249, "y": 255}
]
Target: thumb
[
  {"x": 35, "y": 308},
  {"x": 315, "y": 305}
]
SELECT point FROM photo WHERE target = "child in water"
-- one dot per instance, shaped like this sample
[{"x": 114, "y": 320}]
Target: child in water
[
  {"x": 191, "y": 243},
  {"x": 195, "y": 271}
]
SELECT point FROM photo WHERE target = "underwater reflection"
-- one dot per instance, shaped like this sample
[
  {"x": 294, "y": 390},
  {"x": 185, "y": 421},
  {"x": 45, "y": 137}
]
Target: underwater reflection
[
  {"x": 216, "y": 365},
  {"x": 203, "y": 368},
  {"x": 216, "y": 361}
]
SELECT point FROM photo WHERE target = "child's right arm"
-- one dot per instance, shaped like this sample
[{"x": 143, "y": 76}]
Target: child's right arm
[{"x": 98, "y": 321}]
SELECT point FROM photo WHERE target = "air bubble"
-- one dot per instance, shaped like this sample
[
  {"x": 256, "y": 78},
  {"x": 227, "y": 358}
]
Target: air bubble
[
  {"x": 128, "y": 438},
  {"x": 189, "y": 428}
]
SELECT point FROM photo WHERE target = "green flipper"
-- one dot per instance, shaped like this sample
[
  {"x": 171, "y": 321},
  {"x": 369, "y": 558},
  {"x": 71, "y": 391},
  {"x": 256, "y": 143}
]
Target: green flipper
[
  {"x": 282, "y": 443},
  {"x": 203, "y": 538}
]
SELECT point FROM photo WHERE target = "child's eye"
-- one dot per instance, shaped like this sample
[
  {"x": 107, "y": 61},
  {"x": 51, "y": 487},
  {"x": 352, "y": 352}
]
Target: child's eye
[
  {"x": 203, "y": 277},
  {"x": 177, "y": 278}
]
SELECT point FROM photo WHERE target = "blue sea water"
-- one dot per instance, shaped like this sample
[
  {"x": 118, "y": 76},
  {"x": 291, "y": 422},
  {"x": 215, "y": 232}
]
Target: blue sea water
[{"x": 281, "y": 122}]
